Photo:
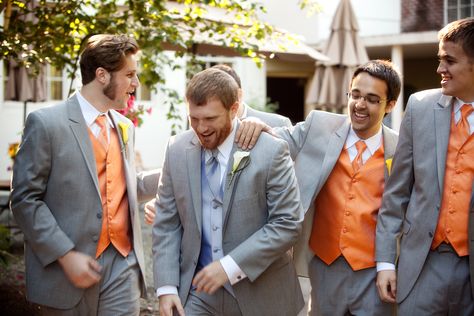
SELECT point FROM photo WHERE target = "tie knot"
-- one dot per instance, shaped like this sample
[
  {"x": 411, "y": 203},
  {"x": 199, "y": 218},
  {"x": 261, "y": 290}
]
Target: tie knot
[
  {"x": 213, "y": 157},
  {"x": 101, "y": 120},
  {"x": 466, "y": 109},
  {"x": 360, "y": 146}
]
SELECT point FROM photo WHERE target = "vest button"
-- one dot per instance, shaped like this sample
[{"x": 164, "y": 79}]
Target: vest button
[
  {"x": 448, "y": 230},
  {"x": 354, "y": 180},
  {"x": 348, "y": 213},
  {"x": 344, "y": 230},
  {"x": 458, "y": 171}
]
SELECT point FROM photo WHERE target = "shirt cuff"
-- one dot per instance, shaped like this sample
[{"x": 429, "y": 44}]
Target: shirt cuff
[
  {"x": 166, "y": 289},
  {"x": 385, "y": 266},
  {"x": 233, "y": 271}
]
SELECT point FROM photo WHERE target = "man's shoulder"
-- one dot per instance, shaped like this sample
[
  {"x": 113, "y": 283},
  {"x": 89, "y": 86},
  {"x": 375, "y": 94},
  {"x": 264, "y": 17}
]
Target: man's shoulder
[
  {"x": 326, "y": 121},
  {"x": 427, "y": 96},
  {"x": 271, "y": 119}
]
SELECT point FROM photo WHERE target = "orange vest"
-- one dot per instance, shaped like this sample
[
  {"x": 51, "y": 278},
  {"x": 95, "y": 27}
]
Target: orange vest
[
  {"x": 346, "y": 211},
  {"x": 458, "y": 177},
  {"x": 113, "y": 192}
]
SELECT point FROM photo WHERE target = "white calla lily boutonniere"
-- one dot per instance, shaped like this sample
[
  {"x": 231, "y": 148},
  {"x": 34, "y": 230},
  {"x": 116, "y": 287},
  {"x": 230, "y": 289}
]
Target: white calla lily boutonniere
[
  {"x": 241, "y": 160},
  {"x": 124, "y": 132}
]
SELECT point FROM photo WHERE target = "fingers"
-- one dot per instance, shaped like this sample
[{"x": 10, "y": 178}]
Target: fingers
[
  {"x": 149, "y": 216},
  {"x": 387, "y": 285},
  {"x": 249, "y": 130},
  {"x": 169, "y": 302},
  {"x": 150, "y": 211},
  {"x": 211, "y": 278}
]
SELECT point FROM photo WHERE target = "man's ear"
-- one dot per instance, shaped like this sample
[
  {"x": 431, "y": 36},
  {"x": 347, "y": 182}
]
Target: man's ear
[
  {"x": 390, "y": 105},
  {"x": 233, "y": 108},
  {"x": 102, "y": 75}
]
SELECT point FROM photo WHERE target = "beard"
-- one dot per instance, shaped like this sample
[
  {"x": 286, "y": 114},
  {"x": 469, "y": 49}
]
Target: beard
[{"x": 110, "y": 89}]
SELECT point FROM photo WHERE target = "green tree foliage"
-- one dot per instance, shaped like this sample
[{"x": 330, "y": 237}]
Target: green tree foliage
[{"x": 36, "y": 32}]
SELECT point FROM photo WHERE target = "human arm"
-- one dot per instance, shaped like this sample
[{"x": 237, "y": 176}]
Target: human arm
[
  {"x": 391, "y": 215},
  {"x": 166, "y": 231},
  {"x": 31, "y": 174}
]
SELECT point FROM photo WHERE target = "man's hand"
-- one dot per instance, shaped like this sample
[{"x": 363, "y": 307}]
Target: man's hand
[
  {"x": 387, "y": 285},
  {"x": 82, "y": 270},
  {"x": 249, "y": 130},
  {"x": 168, "y": 302},
  {"x": 210, "y": 278},
  {"x": 150, "y": 211}
]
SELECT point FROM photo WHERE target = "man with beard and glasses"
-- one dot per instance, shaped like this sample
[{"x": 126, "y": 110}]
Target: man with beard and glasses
[
  {"x": 225, "y": 218},
  {"x": 342, "y": 163},
  {"x": 75, "y": 191},
  {"x": 428, "y": 207}
]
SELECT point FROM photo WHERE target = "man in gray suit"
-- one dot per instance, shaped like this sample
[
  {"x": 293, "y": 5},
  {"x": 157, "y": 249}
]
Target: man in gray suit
[
  {"x": 245, "y": 111},
  {"x": 428, "y": 203},
  {"x": 340, "y": 199},
  {"x": 74, "y": 192},
  {"x": 225, "y": 218}
]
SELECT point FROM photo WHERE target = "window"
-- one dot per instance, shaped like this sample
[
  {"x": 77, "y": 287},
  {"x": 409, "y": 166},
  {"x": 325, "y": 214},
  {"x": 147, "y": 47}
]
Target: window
[
  {"x": 458, "y": 9},
  {"x": 54, "y": 83},
  {"x": 143, "y": 93}
]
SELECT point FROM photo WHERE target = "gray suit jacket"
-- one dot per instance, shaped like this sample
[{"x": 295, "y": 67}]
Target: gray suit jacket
[
  {"x": 412, "y": 197},
  {"x": 56, "y": 199},
  {"x": 315, "y": 146},
  {"x": 262, "y": 219},
  {"x": 271, "y": 119}
]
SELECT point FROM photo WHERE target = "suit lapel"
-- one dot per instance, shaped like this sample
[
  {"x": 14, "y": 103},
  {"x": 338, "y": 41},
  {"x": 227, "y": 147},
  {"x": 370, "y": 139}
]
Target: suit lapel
[
  {"x": 389, "y": 145},
  {"x": 230, "y": 184},
  {"x": 442, "y": 125},
  {"x": 193, "y": 162},
  {"x": 81, "y": 132},
  {"x": 334, "y": 149}
]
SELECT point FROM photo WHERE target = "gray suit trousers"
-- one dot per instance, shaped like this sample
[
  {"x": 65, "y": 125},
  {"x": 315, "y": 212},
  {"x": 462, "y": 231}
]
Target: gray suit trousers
[{"x": 443, "y": 288}]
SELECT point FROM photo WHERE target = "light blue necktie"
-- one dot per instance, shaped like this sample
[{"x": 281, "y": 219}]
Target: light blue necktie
[{"x": 213, "y": 174}]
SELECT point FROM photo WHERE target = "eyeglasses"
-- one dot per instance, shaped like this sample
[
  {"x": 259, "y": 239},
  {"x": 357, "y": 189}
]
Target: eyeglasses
[{"x": 373, "y": 99}]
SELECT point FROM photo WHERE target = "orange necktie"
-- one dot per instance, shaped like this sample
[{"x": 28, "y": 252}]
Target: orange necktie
[
  {"x": 101, "y": 120},
  {"x": 463, "y": 124},
  {"x": 357, "y": 162}
]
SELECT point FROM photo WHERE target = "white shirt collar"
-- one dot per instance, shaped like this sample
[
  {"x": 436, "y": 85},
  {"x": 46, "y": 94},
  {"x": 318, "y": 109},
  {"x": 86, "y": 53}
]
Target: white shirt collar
[
  {"x": 373, "y": 143},
  {"x": 458, "y": 103},
  {"x": 89, "y": 112}
]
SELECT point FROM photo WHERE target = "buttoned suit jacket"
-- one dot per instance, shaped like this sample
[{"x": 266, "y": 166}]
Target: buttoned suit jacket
[
  {"x": 271, "y": 119},
  {"x": 56, "y": 199},
  {"x": 262, "y": 219},
  {"x": 315, "y": 146},
  {"x": 412, "y": 198}
]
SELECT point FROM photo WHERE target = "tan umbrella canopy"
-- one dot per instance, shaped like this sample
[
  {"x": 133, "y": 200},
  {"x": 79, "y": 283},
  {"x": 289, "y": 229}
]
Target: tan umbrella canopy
[
  {"x": 22, "y": 84},
  {"x": 345, "y": 50}
]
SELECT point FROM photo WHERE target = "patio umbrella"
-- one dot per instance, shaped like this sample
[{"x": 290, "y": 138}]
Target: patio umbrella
[
  {"x": 22, "y": 84},
  {"x": 345, "y": 50}
]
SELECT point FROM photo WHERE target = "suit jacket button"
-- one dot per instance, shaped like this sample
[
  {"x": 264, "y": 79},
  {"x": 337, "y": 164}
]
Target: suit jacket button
[
  {"x": 430, "y": 234},
  {"x": 95, "y": 238},
  {"x": 99, "y": 215}
]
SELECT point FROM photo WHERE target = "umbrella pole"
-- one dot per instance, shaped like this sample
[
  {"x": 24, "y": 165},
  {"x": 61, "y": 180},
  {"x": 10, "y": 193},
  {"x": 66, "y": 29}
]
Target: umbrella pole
[{"x": 24, "y": 112}]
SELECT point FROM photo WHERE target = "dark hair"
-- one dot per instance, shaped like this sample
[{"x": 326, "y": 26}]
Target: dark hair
[
  {"x": 383, "y": 70},
  {"x": 106, "y": 51},
  {"x": 212, "y": 83},
  {"x": 227, "y": 69},
  {"x": 460, "y": 32}
]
